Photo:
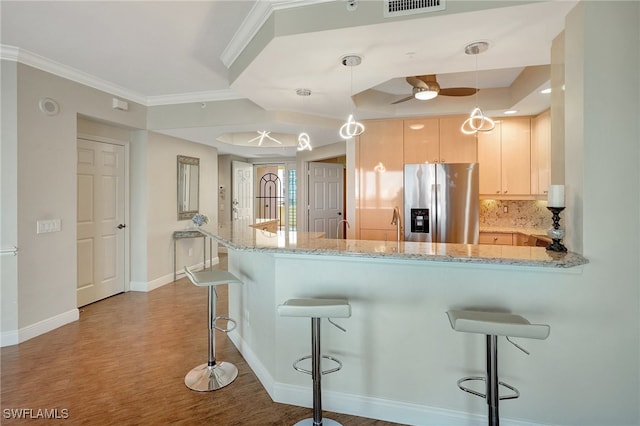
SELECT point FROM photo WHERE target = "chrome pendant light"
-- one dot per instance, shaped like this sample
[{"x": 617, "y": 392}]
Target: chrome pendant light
[
  {"x": 351, "y": 127},
  {"x": 304, "y": 140},
  {"x": 477, "y": 121}
]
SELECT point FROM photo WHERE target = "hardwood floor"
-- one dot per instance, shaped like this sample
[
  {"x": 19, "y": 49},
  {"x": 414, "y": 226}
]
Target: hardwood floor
[{"x": 124, "y": 363}]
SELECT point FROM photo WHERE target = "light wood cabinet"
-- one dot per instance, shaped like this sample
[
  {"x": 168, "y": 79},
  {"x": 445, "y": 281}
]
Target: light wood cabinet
[
  {"x": 378, "y": 234},
  {"x": 489, "y": 159},
  {"x": 380, "y": 171},
  {"x": 541, "y": 153},
  {"x": 438, "y": 140},
  {"x": 455, "y": 146},
  {"x": 497, "y": 238},
  {"x": 504, "y": 155},
  {"x": 422, "y": 140}
]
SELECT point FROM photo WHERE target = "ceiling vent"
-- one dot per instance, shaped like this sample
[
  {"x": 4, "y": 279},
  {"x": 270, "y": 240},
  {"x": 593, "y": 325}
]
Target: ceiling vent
[{"x": 410, "y": 7}]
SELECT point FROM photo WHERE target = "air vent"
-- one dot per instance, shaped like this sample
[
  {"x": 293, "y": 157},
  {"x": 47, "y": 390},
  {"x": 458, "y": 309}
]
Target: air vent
[{"x": 410, "y": 7}]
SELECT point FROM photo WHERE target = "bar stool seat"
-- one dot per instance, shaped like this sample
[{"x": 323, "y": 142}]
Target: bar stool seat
[
  {"x": 316, "y": 309},
  {"x": 496, "y": 324},
  {"x": 492, "y": 325},
  {"x": 214, "y": 374}
]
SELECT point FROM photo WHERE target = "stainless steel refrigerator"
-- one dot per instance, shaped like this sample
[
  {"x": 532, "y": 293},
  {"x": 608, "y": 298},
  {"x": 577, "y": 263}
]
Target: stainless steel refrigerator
[{"x": 441, "y": 203}]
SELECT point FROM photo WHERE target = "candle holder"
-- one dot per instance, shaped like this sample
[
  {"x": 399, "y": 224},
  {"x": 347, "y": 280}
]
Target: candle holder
[{"x": 556, "y": 233}]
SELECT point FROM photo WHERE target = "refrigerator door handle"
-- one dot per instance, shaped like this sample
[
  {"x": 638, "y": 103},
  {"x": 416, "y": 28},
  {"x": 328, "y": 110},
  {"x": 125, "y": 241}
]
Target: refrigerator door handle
[{"x": 435, "y": 214}]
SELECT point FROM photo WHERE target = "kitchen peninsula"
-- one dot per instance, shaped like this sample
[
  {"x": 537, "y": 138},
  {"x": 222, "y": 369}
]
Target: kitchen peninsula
[{"x": 401, "y": 359}]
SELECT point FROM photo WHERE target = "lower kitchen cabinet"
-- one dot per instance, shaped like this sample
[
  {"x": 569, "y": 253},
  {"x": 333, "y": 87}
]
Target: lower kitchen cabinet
[
  {"x": 498, "y": 238},
  {"x": 377, "y": 234}
]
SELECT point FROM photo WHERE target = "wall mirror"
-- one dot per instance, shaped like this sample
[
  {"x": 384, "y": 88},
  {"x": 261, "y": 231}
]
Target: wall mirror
[{"x": 188, "y": 186}]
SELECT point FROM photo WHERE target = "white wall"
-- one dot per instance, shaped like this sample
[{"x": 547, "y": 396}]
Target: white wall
[
  {"x": 162, "y": 204},
  {"x": 38, "y": 288},
  {"x": 9, "y": 199},
  {"x": 43, "y": 286}
]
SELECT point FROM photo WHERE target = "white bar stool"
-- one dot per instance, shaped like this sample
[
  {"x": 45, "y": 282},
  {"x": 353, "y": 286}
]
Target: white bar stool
[
  {"x": 214, "y": 374},
  {"x": 494, "y": 324},
  {"x": 316, "y": 309}
]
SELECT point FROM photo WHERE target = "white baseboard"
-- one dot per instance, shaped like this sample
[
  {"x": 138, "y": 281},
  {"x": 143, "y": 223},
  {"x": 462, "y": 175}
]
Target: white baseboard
[
  {"x": 256, "y": 366},
  {"x": 14, "y": 337},
  {"x": 166, "y": 279}
]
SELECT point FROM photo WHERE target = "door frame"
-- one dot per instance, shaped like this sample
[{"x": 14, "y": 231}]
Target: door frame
[
  {"x": 127, "y": 234},
  {"x": 303, "y": 158}
]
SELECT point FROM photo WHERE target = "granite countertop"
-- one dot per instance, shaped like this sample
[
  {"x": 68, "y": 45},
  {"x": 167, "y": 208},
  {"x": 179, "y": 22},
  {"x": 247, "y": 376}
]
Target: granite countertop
[{"x": 314, "y": 243}]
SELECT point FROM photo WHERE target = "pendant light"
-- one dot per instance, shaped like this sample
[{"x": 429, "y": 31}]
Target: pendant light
[
  {"x": 351, "y": 127},
  {"x": 304, "y": 140},
  {"x": 477, "y": 121}
]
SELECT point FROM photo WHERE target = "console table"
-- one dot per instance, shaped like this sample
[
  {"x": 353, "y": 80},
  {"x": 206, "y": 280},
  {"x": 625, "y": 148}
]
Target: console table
[{"x": 193, "y": 233}]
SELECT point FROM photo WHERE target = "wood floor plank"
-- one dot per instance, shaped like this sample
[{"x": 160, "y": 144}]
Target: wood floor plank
[{"x": 124, "y": 362}]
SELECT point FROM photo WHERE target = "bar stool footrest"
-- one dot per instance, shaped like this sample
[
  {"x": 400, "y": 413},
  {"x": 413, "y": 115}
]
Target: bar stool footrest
[
  {"x": 516, "y": 392},
  {"x": 228, "y": 320},
  {"x": 328, "y": 371}
]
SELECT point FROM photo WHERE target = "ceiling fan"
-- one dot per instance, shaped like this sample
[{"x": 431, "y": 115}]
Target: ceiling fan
[{"x": 426, "y": 87}]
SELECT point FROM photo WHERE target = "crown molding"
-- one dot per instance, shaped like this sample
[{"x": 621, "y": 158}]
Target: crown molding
[
  {"x": 15, "y": 54},
  {"x": 256, "y": 18},
  {"x": 185, "y": 98},
  {"x": 34, "y": 60}
]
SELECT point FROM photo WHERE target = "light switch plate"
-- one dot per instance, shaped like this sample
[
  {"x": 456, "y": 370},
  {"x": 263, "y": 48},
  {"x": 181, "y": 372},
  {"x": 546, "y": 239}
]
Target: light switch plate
[{"x": 51, "y": 225}]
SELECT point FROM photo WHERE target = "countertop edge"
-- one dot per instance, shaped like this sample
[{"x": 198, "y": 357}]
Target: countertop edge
[{"x": 562, "y": 260}]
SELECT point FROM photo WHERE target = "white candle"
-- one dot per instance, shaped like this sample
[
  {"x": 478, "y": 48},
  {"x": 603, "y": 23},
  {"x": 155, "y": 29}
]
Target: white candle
[{"x": 556, "y": 196}]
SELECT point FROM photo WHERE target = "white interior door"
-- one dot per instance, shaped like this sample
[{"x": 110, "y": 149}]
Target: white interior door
[
  {"x": 242, "y": 194},
  {"x": 326, "y": 183},
  {"x": 100, "y": 226}
]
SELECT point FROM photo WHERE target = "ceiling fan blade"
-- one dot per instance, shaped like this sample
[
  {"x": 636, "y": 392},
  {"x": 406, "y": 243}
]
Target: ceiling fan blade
[
  {"x": 458, "y": 91},
  {"x": 429, "y": 78},
  {"x": 402, "y": 100},
  {"x": 416, "y": 82}
]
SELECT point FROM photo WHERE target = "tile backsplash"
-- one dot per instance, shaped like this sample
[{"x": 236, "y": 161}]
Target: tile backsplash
[{"x": 525, "y": 214}]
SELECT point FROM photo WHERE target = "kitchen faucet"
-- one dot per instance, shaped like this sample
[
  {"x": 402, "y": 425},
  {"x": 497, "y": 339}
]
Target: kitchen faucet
[
  {"x": 397, "y": 221},
  {"x": 340, "y": 222}
]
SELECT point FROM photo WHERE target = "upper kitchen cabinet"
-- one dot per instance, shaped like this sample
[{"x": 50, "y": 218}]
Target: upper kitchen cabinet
[
  {"x": 455, "y": 146},
  {"x": 380, "y": 168},
  {"x": 504, "y": 155},
  {"x": 438, "y": 140},
  {"x": 541, "y": 153},
  {"x": 422, "y": 140}
]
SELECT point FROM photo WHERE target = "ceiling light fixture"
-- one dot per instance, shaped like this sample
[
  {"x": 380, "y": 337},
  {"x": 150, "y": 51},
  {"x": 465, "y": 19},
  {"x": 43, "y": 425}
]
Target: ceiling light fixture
[
  {"x": 428, "y": 89},
  {"x": 262, "y": 135},
  {"x": 477, "y": 121},
  {"x": 351, "y": 127},
  {"x": 511, "y": 112},
  {"x": 304, "y": 140}
]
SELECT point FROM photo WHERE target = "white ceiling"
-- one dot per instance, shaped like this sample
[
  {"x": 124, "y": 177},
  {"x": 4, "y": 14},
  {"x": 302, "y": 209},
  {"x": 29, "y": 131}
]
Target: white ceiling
[{"x": 165, "y": 52}]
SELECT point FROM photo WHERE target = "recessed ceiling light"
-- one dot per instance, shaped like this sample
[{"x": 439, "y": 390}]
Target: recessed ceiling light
[
  {"x": 546, "y": 91},
  {"x": 510, "y": 112}
]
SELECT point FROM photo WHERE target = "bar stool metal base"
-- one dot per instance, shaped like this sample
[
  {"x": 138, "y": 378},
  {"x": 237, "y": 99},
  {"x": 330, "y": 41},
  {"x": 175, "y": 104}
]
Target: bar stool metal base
[
  {"x": 205, "y": 377},
  {"x": 325, "y": 422}
]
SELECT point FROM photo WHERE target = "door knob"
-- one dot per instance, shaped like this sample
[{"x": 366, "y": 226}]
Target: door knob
[{"x": 122, "y": 226}]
